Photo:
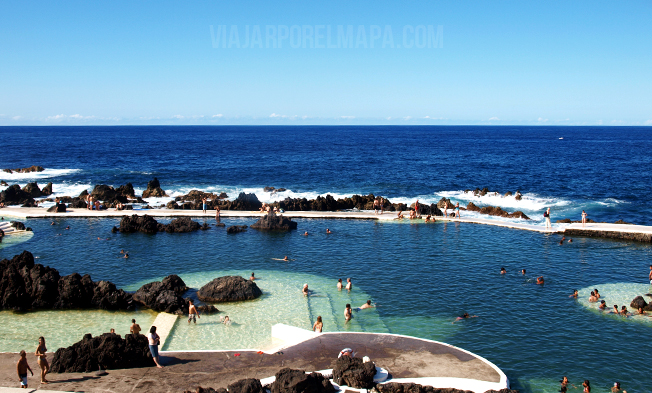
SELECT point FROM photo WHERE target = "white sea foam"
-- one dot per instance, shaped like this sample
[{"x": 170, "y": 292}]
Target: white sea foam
[{"x": 47, "y": 173}]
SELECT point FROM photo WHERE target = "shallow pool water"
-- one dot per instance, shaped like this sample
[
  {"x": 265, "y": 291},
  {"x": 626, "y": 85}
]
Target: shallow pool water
[
  {"x": 64, "y": 328},
  {"x": 422, "y": 276}
]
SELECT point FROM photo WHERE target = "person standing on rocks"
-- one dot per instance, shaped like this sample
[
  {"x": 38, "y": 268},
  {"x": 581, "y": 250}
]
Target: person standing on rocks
[
  {"x": 546, "y": 216},
  {"x": 21, "y": 369},
  {"x": 41, "y": 359},
  {"x": 154, "y": 341},
  {"x": 416, "y": 207}
]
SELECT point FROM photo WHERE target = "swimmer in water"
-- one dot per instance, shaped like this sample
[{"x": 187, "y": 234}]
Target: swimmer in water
[
  {"x": 561, "y": 242},
  {"x": 575, "y": 294},
  {"x": 339, "y": 284},
  {"x": 640, "y": 311},
  {"x": 597, "y": 295},
  {"x": 252, "y": 278},
  {"x": 593, "y": 298},
  {"x": 623, "y": 311},
  {"x": 286, "y": 258},
  {"x": 349, "y": 284},
  {"x": 126, "y": 255},
  {"x": 52, "y": 223},
  {"x": 347, "y": 313},
  {"x": 367, "y": 305},
  {"x": 464, "y": 316},
  {"x": 540, "y": 280},
  {"x": 122, "y": 251},
  {"x": 68, "y": 227},
  {"x": 570, "y": 240},
  {"x": 523, "y": 271},
  {"x": 225, "y": 320},
  {"x": 305, "y": 233},
  {"x": 328, "y": 231},
  {"x": 603, "y": 305},
  {"x": 305, "y": 290},
  {"x": 502, "y": 270},
  {"x": 615, "y": 311}
]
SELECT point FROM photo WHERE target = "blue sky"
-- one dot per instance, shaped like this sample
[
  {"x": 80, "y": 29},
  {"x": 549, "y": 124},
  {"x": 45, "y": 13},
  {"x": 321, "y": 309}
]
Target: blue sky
[{"x": 489, "y": 62}]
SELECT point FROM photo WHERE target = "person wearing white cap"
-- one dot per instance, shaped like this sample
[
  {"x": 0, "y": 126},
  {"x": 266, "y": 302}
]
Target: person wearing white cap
[{"x": 346, "y": 352}]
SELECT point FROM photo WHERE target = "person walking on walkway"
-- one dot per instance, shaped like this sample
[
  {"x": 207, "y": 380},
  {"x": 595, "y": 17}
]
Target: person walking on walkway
[
  {"x": 546, "y": 215},
  {"x": 583, "y": 218}
]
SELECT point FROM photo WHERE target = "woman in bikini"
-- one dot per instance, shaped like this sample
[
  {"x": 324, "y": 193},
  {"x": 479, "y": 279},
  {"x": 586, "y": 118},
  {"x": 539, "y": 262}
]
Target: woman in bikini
[
  {"x": 318, "y": 325},
  {"x": 41, "y": 359}
]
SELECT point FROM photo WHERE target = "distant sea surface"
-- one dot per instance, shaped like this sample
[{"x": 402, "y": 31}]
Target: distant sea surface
[
  {"x": 421, "y": 276},
  {"x": 603, "y": 170}
]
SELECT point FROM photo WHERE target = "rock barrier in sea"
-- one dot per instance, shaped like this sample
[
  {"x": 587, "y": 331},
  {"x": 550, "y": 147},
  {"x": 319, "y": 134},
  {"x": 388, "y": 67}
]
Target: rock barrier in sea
[
  {"x": 147, "y": 224},
  {"x": 229, "y": 289},
  {"x": 635, "y": 236}
]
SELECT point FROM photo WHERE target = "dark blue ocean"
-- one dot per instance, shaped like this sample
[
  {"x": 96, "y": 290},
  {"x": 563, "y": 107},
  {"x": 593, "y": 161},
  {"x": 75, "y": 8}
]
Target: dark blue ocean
[{"x": 422, "y": 276}]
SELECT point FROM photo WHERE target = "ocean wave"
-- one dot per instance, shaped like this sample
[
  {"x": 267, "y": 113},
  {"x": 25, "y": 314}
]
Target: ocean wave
[
  {"x": 529, "y": 202},
  {"x": 47, "y": 173}
]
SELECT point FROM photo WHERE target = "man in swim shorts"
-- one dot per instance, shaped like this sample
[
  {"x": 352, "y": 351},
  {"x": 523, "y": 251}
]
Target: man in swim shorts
[
  {"x": 192, "y": 312},
  {"x": 367, "y": 305},
  {"x": 135, "y": 328},
  {"x": 204, "y": 205},
  {"x": 21, "y": 369}
]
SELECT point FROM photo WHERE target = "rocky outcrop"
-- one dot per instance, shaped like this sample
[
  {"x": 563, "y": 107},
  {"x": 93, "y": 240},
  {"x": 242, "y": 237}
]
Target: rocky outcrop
[
  {"x": 47, "y": 190},
  {"x": 33, "y": 190},
  {"x": 18, "y": 225},
  {"x": 272, "y": 222},
  {"x": 236, "y": 229},
  {"x": 25, "y": 285},
  {"x": 496, "y": 211},
  {"x": 126, "y": 190},
  {"x": 640, "y": 302},
  {"x": 297, "y": 381},
  {"x": 147, "y": 224},
  {"x": 354, "y": 372},
  {"x": 14, "y": 195},
  {"x": 243, "y": 202},
  {"x": 249, "y": 385},
  {"x": 200, "y": 389},
  {"x": 229, "y": 289},
  {"x": 108, "y": 352},
  {"x": 33, "y": 168},
  {"x": 2, "y": 234},
  {"x": 154, "y": 190},
  {"x": 164, "y": 296}
]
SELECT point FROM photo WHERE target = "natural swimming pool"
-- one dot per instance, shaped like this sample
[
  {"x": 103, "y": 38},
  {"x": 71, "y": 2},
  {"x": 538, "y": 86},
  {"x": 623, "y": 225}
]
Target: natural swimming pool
[{"x": 421, "y": 276}]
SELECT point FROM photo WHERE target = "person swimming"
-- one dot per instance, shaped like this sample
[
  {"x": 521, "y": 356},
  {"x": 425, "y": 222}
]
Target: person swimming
[
  {"x": 603, "y": 305},
  {"x": 286, "y": 258},
  {"x": 305, "y": 290},
  {"x": 339, "y": 284},
  {"x": 523, "y": 271},
  {"x": 252, "y": 278},
  {"x": 623, "y": 311},
  {"x": 540, "y": 280},
  {"x": 575, "y": 294},
  {"x": 597, "y": 294},
  {"x": 593, "y": 298},
  {"x": 328, "y": 231},
  {"x": 367, "y": 305},
  {"x": 464, "y": 316},
  {"x": 502, "y": 270},
  {"x": 225, "y": 320}
]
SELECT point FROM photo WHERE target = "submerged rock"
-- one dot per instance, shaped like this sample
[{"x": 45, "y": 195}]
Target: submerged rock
[
  {"x": 229, "y": 289},
  {"x": 108, "y": 351},
  {"x": 297, "y": 381},
  {"x": 236, "y": 229},
  {"x": 638, "y": 302},
  {"x": 271, "y": 221},
  {"x": 354, "y": 372}
]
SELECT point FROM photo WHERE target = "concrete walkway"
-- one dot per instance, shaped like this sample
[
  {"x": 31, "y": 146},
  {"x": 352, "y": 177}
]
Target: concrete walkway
[{"x": 403, "y": 357}]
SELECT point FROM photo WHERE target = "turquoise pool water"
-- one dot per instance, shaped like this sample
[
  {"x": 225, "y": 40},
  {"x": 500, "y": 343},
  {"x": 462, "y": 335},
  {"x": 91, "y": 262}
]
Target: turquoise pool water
[{"x": 421, "y": 275}]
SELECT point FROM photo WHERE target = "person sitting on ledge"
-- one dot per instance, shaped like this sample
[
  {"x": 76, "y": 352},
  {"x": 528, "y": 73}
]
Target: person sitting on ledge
[
  {"x": 413, "y": 214},
  {"x": 427, "y": 218},
  {"x": 400, "y": 216}
]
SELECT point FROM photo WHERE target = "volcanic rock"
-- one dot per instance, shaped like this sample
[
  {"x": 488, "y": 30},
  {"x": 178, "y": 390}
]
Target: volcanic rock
[
  {"x": 164, "y": 296},
  {"x": 229, "y": 289},
  {"x": 126, "y": 190},
  {"x": 25, "y": 285},
  {"x": 354, "y": 372},
  {"x": 47, "y": 190},
  {"x": 638, "y": 302},
  {"x": 249, "y": 385},
  {"x": 181, "y": 225},
  {"x": 13, "y": 195},
  {"x": 243, "y": 202},
  {"x": 18, "y": 225},
  {"x": 3, "y": 183},
  {"x": 154, "y": 189},
  {"x": 297, "y": 381},
  {"x": 135, "y": 223},
  {"x": 32, "y": 168},
  {"x": 108, "y": 351},
  {"x": 33, "y": 190},
  {"x": 271, "y": 221},
  {"x": 236, "y": 229},
  {"x": 622, "y": 222}
]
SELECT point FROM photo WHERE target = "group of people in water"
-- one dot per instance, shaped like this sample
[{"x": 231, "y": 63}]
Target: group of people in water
[
  {"x": 586, "y": 386},
  {"x": 623, "y": 311},
  {"x": 348, "y": 311}
]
